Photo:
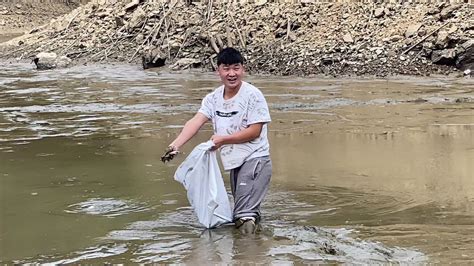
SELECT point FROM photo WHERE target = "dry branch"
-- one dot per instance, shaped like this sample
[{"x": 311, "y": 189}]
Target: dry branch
[
  {"x": 238, "y": 29},
  {"x": 424, "y": 38}
]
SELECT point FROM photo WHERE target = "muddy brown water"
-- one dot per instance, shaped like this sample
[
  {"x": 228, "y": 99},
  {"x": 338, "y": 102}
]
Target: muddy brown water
[{"x": 365, "y": 170}]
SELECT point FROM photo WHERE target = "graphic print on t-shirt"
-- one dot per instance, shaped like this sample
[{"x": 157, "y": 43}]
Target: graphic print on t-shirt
[
  {"x": 224, "y": 114},
  {"x": 236, "y": 114}
]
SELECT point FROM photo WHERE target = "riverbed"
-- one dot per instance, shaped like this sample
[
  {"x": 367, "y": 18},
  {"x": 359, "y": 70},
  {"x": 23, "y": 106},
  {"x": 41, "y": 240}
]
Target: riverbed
[{"x": 365, "y": 170}]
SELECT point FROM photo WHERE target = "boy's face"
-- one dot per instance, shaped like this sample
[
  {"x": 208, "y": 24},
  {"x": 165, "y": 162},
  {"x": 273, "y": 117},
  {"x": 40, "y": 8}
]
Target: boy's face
[{"x": 231, "y": 75}]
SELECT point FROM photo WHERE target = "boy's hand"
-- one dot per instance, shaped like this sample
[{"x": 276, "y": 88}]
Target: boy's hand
[
  {"x": 218, "y": 141},
  {"x": 170, "y": 152}
]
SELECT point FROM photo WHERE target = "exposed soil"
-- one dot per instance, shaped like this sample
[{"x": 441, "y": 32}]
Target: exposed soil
[
  {"x": 282, "y": 39},
  {"x": 19, "y": 17}
]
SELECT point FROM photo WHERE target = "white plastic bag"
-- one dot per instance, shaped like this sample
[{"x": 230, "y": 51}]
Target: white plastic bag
[{"x": 201, "y": 176}]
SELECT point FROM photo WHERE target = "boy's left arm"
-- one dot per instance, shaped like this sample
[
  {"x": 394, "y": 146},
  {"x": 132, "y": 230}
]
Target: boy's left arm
[{"x": 246, "y": 135}]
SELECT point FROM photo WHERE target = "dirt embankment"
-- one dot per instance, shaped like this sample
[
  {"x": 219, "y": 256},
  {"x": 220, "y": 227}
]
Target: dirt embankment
[
  {"x": 301, "y": 39},
  {"x": 19, "y": 17}
]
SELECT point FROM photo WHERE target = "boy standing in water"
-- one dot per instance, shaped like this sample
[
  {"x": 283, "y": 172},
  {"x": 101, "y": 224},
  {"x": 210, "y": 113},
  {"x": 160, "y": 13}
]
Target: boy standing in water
[{"x": 239, "y": 115}]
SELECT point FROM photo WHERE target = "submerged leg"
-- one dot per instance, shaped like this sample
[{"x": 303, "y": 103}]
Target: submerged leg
[{"x": 249, "y": 184}]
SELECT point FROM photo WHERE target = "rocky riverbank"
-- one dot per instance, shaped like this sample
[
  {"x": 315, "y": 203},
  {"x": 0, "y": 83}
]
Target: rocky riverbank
[
  {"x": 18, "y": 17},
  {"x": 276, "y": 38}
]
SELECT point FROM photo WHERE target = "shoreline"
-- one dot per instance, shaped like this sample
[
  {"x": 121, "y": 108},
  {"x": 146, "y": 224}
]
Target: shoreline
[{"x": 165, "y": 69}]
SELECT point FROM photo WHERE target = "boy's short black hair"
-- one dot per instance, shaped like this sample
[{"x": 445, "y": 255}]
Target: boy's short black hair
[{"x": 229, "y": 56}]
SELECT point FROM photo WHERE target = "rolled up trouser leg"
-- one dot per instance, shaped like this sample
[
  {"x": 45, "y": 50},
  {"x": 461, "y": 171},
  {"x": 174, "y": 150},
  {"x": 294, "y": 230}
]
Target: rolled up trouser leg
[{"x": 249, "y": 184}]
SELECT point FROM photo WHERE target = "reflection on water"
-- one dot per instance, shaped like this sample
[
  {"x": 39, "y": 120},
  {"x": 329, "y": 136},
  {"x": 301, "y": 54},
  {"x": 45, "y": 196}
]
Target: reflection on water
[{"x": 364, "y": 170}]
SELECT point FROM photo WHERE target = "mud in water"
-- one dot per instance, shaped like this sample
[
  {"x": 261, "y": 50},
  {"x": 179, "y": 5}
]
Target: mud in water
[{"x": 365, "y": 170}]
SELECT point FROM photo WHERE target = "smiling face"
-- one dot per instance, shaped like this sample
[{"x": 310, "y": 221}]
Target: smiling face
[{"x": 231, "y": 75}]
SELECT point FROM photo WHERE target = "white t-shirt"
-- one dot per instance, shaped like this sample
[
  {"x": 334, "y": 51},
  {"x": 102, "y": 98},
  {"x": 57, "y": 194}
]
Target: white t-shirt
[{"x": 247, "y": 107}]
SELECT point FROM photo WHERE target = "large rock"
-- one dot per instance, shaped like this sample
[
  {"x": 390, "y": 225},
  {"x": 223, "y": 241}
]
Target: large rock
[
  {"x": 379, "y": 12},
  {"x": 442, "y": 39},
  {"x": 448, "y": 12},
  {"x": 412, "y": 29},
  {"x": 433, "y": 11},
  {"x": 45, "y": 61},
  {"x": 347, "y": 38},
  {"x": 137, "y": 19},
  {"x": 153, "y": 58},
  {"x": 465, "y": 57},
  {"x": 444, "y": 57}
]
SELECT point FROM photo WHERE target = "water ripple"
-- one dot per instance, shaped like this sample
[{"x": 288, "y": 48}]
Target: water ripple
[{"x": 108, "y": 207}]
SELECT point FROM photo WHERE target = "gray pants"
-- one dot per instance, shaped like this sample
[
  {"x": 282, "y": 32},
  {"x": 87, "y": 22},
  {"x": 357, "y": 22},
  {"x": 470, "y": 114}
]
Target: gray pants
[{"x": 249, "y": 184}]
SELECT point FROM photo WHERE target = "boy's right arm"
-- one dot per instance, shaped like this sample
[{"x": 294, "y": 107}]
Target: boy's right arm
[{"x": 189, "y": 130}]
